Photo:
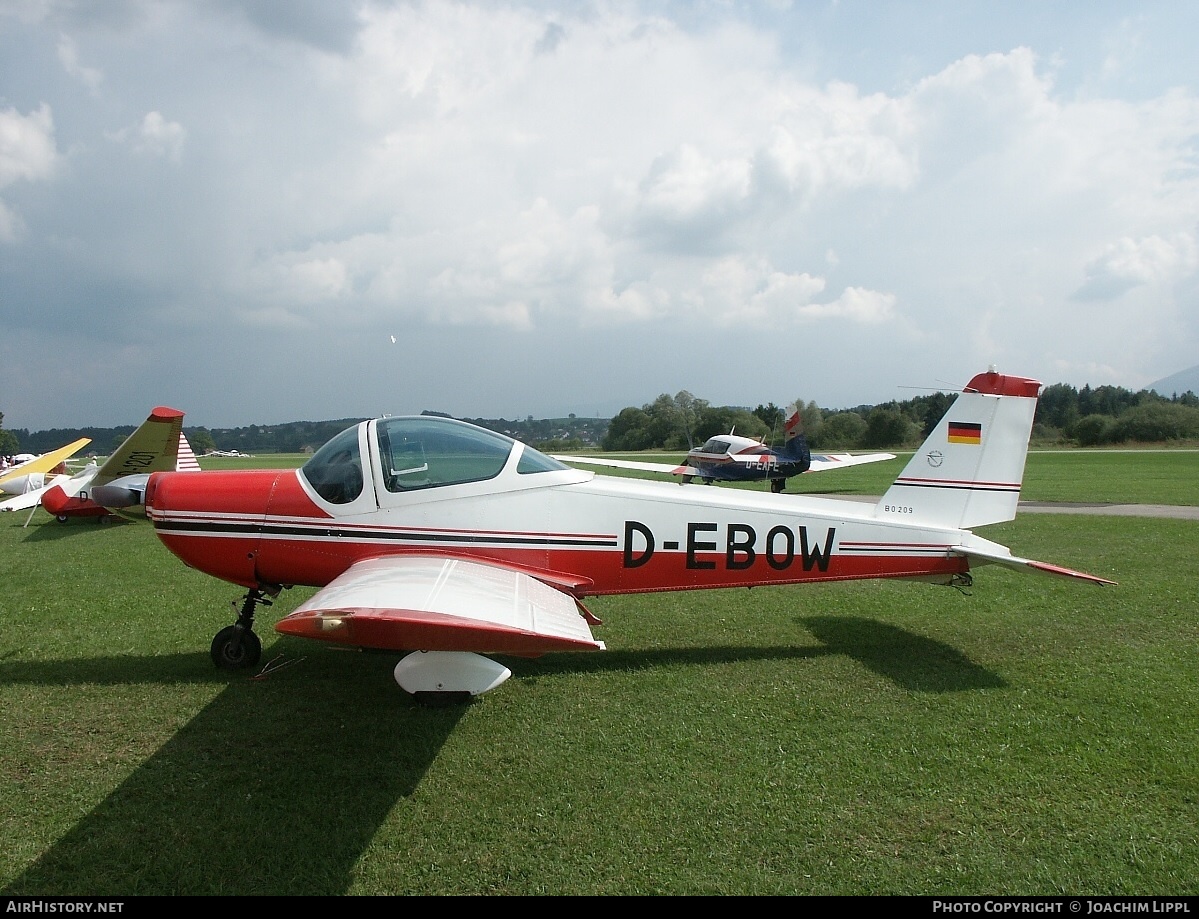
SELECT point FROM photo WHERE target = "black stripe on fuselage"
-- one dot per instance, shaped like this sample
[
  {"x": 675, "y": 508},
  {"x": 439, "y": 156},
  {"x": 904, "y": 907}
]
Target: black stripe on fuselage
[{"x": 323, "y": 531}]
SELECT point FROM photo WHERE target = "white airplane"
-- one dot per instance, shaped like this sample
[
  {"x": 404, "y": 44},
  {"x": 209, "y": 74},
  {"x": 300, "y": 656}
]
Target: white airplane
[
  {"x": 31, "y": 474},
  {"x": 119, "y": 483},
  {"x": 435, "y": 537},
  {"x": 733, "y": 458}
]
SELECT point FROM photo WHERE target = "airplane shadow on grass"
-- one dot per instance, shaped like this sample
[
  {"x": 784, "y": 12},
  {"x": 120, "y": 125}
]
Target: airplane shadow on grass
[
  {"x": 913, "y": 662},
  {"x": 216, "y": 810},
  {"x": 43, "y": 530}
]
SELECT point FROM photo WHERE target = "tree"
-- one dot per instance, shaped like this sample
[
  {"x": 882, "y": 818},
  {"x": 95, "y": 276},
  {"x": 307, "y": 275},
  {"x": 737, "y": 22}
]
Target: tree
[
  {"x": 928, "y": 410},
  {"x": 1057, "y": 406},
  {"x": 842, "y": 429},
  {"x": 688, "y": 408},
  {"x": 1091, "y": 430},
  {"x": 201, "y": 441},
  {"x": 725, "y": 420},
  {"x": 811, "y": 420},
  {"x": 628, "y": 431},
  {"x": 1155, "y": 422},
  {"x": 771, "y": 415},
  {"x": 887, "y": 426},
  {"x": 8, "y": 440}
]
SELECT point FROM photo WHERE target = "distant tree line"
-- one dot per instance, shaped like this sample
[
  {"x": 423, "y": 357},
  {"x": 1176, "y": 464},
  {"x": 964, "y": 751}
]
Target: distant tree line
[
  {"x": 1065, "y": 415},
  {"x": 560, "y": 434},
  {"x": 1084, "y": 417}
]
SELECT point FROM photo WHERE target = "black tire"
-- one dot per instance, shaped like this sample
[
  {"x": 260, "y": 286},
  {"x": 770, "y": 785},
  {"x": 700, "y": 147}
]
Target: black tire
[
  {"x": 236, "y": 648},
  {"x": 777, "y": 486},
  {"x": 441, "y": 699}
]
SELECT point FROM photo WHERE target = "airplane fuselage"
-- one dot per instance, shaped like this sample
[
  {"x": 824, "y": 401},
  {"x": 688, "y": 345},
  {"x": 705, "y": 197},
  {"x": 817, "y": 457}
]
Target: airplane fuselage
[
  {"x": 436, "y": 537},
  {"x": 745, "y": 468},
  {"x": 591, "y": 534}
]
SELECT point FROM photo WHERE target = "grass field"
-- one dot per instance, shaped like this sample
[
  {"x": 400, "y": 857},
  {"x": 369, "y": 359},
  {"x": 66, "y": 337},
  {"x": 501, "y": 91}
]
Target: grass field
[{"x": 1034, "y": 736}]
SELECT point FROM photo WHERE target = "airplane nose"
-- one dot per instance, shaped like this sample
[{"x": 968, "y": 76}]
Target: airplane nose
[{"x": 212, "y": 519}]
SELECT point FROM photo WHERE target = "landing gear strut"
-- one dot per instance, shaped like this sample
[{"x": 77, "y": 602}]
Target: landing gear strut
[{"x": 237, "y": 647}]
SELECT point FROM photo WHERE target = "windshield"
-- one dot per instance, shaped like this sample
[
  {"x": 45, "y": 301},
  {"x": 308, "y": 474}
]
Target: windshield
[
  {"x": 429, "y": 451},
  {"x": 335, "y": 470}
]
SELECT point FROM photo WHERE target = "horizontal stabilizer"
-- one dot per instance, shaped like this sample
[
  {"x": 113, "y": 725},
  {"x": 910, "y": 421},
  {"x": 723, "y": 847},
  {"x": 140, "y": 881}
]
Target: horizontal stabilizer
[{"x": 1012, "y": 561}]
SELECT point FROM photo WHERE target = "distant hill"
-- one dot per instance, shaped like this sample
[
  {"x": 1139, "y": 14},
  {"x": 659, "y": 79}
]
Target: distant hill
[{"x": 1177, "y": 383}]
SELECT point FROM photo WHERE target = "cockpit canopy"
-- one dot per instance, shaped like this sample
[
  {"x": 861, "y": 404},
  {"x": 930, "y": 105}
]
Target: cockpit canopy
[
  {"x": 425, "y": 451},
  {"x": 716, "y": 446}
]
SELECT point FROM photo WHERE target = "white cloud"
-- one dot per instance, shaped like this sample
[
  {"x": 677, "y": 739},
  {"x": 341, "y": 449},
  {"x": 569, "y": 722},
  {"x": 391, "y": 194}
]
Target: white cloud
[
  {"x": 68, "y": 56},
  {"x": 153, "y": 136},
  {"x": 26, "y": 145},
  {"x": 27, "y": 153},
  {"x": 158, "y": 137},
  {"x": 685, "y": 185},
  {"x": 1130, "y": 263},
  {"x": 856, "y": 304}
]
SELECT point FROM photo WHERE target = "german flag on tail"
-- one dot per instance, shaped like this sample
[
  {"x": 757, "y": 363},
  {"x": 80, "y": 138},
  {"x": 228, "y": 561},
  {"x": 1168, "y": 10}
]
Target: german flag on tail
[{"x": 965, "y": 432}]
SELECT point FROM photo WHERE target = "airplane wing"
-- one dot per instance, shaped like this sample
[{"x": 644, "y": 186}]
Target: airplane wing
[
  {"x": 433, "y": 603},
  {"x": 32, "y": 498},
  {"x": 46, "y": 461},
  {"x": 667, "y": 468},
  {"x": 821, "y": 462}
]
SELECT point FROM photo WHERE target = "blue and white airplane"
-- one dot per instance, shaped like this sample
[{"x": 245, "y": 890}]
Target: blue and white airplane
[{"x": 733, "y": 458}]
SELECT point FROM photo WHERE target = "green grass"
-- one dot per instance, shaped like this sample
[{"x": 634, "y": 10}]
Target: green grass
[{"x": 1034, "y": 736}]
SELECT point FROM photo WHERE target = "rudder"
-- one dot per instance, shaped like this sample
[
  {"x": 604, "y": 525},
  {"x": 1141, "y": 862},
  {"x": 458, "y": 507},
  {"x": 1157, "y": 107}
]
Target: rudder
[{"x": 970, "y": 469}]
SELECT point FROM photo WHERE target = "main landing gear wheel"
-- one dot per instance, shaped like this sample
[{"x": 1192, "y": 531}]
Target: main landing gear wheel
[
  {"x": 777, "y": 486},
  {"x": 236, "y": 648}
]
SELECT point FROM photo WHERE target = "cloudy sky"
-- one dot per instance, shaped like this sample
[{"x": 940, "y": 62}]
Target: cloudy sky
[{"x": 261, "y": 212}]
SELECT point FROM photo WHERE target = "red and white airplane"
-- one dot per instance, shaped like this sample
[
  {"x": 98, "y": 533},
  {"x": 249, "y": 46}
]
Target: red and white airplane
[
  {"x": 117, "y": 484},
  {"x": 734, "y": 458},
  {"x": 436, "y": 537}
]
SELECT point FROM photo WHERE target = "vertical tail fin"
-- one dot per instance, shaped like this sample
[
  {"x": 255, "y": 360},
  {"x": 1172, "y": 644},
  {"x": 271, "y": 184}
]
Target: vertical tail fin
[
  {"x": 795, "y": 443},
  {"x": 153, "y": 447},
  {"x": 970, "y": 469}
]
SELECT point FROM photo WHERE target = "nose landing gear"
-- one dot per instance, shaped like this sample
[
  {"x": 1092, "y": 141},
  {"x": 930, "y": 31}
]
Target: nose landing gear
[{"x": 238, "y": 647}]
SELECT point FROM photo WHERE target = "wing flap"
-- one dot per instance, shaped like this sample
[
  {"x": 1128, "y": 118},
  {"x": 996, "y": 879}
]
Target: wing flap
[{"x": 429, "y": 603}]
